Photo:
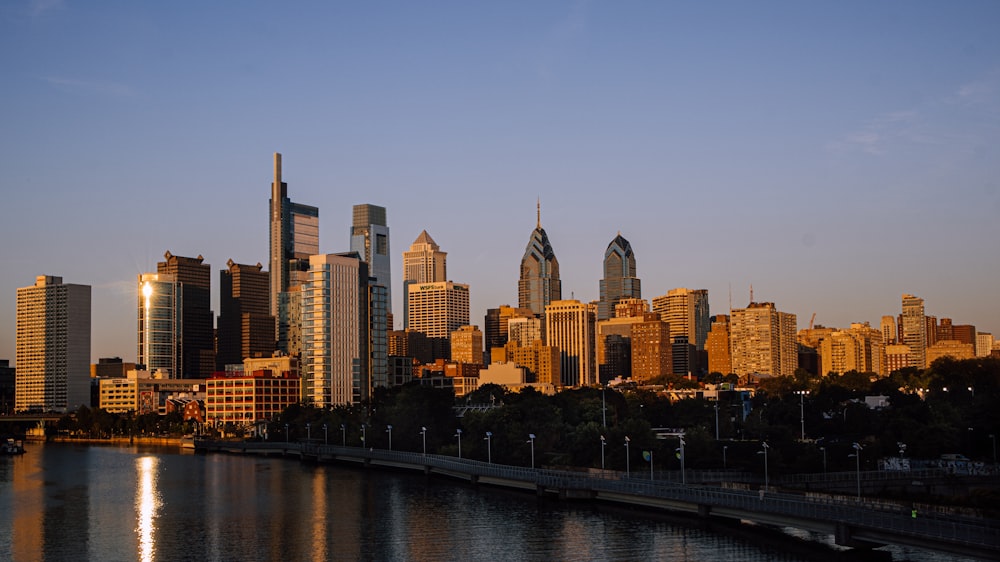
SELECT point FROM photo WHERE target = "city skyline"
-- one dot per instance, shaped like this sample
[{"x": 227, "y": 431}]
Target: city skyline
[{"x": 833, "y": 157}]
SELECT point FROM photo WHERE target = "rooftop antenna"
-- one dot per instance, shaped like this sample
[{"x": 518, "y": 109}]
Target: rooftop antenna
[
  {"x": 539, "y": 223},
  {"x": 751, "y": 293}
]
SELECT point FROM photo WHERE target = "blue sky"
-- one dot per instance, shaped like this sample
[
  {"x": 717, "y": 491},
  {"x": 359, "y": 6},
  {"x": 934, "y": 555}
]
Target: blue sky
[{"x": 833, "y": 155}]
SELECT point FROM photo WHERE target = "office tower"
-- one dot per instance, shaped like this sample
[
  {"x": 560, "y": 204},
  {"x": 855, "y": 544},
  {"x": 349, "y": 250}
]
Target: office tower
[
  {"x": 570, "y": 326},
  {"x": 888, "y": 328},
  {"x": 930, "y": 330},
  {"x": 245, "y": 327},
  {"x": 950, "y": 348},
  {"x": 763, "y": 340},
  {"x": 52, "y": 346},
  {"x": 619, "y": 280},
  {"x": 197, "y": 319},
  {"x": 857, "y": 349},
  {"x": 943, "y": 331},
  {"x": 541, "y": 361},
  {"x": 915, "y": 330},
  {"x": 378, "y": 335},
  {"x": 110, "y": 367},
  {"x": 335, "y": 328},
  {"x": 631, "y": 308},
  {"x": 686, "y": 310},
  {"x": 160, "y": 311},
  {"x": 294, "y": 236},
  {"x": 467, "y": 345},
  {"x": 525, "y": 330},
  {"x": 496, "y": 326},
  {"x": 897, "y": 356},
  {"x": 538, "y": 284},
  {"x": 652, "y": 352},
  {"x": 370, "y": 239},
  {"x": 984, "y": 344},
  {"x": 613, "y": 339},
  {"x": 965, "y": 333},
  {"x": 717, "y": 344},
  {"x": 424, "y": 262},
  {"x": 437, "y": 309},
  {"x": 7, "y": 385}
]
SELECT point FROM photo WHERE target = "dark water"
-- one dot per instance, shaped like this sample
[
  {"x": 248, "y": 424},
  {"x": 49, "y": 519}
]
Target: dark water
[{"x": 66, "y": 502}]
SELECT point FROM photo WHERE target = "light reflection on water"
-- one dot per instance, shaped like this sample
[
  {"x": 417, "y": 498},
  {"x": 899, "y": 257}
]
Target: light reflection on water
[
  {"x": 147, "y": 501},
  {"x": 62, "y": 502}
]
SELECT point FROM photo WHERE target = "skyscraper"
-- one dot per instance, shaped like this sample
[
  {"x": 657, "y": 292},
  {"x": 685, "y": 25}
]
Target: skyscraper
[
  {"x": 197, "y": 319},
  {"x": 52, "y": 346},
  {"x": 717, "y": 344},
  {"x": 294, "y": 232},
  {"x": 569, "y": 325},
  {"x": 245, "y": 328},
  {"x": 652, "y": 352},
  {"x": 915, "y": 330},
  {"x": 686, "y": 310},
  {"x": 160, "y": 312},
  {"x": 335, "y": 328},
  {"x": 888, "y": 329},
  {"x": 763, "y": 340},
  {"x": 467, "y": 345},
  {"x": 539, "y": 283},
  {"x": 438, "y": 309},
  {"x": 424, "y": 262},
  {"x": 370, "y": 239},
  {"x": 619, "y": 280}
]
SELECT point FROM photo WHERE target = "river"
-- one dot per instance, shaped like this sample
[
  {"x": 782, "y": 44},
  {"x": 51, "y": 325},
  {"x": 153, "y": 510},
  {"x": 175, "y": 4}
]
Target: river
[{"x": 75, "y": 502}]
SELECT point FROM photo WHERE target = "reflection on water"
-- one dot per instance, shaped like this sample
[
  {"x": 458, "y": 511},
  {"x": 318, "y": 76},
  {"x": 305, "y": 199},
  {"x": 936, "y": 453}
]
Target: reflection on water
[
  {"x": 62, "y": 502},
  {"x": 147, "y": 501}
]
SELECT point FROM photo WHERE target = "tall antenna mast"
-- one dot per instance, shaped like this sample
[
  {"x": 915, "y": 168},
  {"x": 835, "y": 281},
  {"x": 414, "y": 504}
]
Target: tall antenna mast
[
  {"x": 751, "y": 292},
  {"x": 539, "y": 223}
]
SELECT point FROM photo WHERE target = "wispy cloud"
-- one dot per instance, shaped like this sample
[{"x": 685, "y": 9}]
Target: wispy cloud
[
  {"x": 99, "y": 87},
  {"x": 982, "y": 91},
  {"x": 877, "y": 133},
  {"x": 39, "y": 7}
]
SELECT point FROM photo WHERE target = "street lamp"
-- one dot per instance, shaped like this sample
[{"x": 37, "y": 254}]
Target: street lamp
[
  {"x": 972, "y": 389},
  {"x": 343, "y": 435},
  {"x": 604, "y": 408},
  {"x": 364, "y": 435},
  {"x": 388, "y": 429},
  {"x": 286, "y": 433},
  {"x": 627, "y": 465},
  {"x": 823, "y": 450},
  {"x": 308, "y": 433},
  {"x": 716, "y": 419},
  {"x": 423, "y": 432},
  {"x": 683, "y": 476},
  {"x": 857, "y": 460},
  {"x": 458, "y": 433},
  {"x": 802, "y": 410},
  {"x": 489, "y": 447},
  {"x": 764, "y": 452},
  {"x": 531, "y": 439},
  {"x": 650, "y": 465},
  {"x": 326, "y": 436},
  {"x": 724, "y": 447},
  {"x": 604, "y": 443}
]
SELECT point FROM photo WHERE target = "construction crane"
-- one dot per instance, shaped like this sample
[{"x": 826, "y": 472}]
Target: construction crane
[{"x": 811, "y": 320}]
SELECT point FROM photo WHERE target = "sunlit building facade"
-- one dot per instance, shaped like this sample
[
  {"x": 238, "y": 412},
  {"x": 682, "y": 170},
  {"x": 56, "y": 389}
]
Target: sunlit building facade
[
  {"x": 424, "y": 262},
  {"x": 763, "y": 340},
  {"x": 370, "y": 240},
  {"x": 197, "y": 320},
  {"x": 914, "y": 326},
  {"x": 160, "y": 306},
  {"x": 538, "y": 283},
  {"x": 437, "y": 309},
  {"x": 570, "y": 326},
  {"x": 619, "y": 280}
]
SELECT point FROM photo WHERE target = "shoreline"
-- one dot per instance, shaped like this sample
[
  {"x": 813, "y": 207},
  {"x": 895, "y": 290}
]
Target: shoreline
[{"x": 161, "y": 441}]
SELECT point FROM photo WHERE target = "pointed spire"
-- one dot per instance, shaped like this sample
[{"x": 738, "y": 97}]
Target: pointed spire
[{"x": 539, "y": 223}]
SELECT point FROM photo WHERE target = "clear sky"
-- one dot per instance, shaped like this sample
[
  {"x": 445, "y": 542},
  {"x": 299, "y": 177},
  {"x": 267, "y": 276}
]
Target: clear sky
[{"x": 832, "y": 154}]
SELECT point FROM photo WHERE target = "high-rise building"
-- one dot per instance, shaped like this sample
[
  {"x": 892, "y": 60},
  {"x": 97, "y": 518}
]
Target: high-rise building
[
  {"x": 52, "y": 346},
  {"x": 197, "y": 319},
  {"x": 897, "y": 356},
  {"x": 467, "y": 345},
  {"x": 984, "y": 344},
  {"x": 954, "y": 349},
  {"x": 631, "y": 308},
  {"x": 335, "y": 355},
  {"x": 569, "y": 325},
  {"x": 370, "y": 239},
  {"x": 763, "y": 340},
  {"x": 652, "y": 352},
  {"x": 858, "y": 349},
  {"x": 888, "y": 329},
  {"x": 686, "y": 310},
  {"x": 424, "y": 262},
  {"x": 438, "y": 309},
  {"x": 965, "y": 333},
  {"x": 496, "y": 325},
  {"x": 525, "y": 330},
  {"x": 294, "y": 233},
  {"x": 378, "y": 335},
  {"x": 943, "y": 331},
  {"x": 538, "y": 284},
  {"x": 541, "y": 361},
  {"x": 160, "y": 311},
  {"x": 619, "y": 280},
  {"x": 245, "y": 326},
  {"x": 915, "y": 330},
  {"x": 717, "y": 344}
]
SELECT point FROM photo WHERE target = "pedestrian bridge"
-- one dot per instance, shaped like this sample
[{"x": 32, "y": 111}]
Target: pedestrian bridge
[{"x": 868, "y": 523}]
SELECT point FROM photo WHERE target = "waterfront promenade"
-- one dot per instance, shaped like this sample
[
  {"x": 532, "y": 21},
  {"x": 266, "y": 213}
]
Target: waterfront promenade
[{"x": 864, "y": 523}]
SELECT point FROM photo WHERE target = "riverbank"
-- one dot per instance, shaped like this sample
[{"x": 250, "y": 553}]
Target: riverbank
[{"x": 157, "y": 441}]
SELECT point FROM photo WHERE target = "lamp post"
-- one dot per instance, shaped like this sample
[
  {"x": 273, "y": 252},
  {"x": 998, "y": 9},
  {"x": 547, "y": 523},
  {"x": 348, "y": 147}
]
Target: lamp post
[
  {"x": 364, "y": 435},
  {"x": 857, "y": 461},
  {"x": 423, "y": 433},
  {"x": 458, "y": 433},
  {"x": 604, "y": 408},
  {"x": 681, "y": 449},
  {"x": 650, "y": 465},
  {"x": 604, "y": 443},
  {"x": 724, "y": 447},
  {"x": 531, "y": 439},
  {"x": 489, "y": 447},
  {"x": 308, "y": 433},
  {"x": 823, "y": 450},
  {"x": 286, "y": 433},
  {"x": 326, "y": 436},
  {"x": 716, "y": 419},
  {"x": 388, "y": 429},
  {"x": 627, "y": 465},
  {"x": 765, "y": 446},
  {"x": 802, "y": 410},
  {"x": 343, "y": 435}
]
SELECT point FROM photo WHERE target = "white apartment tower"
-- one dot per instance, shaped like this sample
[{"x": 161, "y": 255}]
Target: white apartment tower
[
  {"x": 763, "y": 340},
  {"x": 52, "y": 346},
  {"x": 437, "y": 309},
  {"x": 686, "y": 310},
  {"x": 915, "y": 330}
]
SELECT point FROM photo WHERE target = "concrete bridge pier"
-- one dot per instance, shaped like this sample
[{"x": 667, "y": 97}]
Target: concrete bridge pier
[{"x": 843, "y": 536}]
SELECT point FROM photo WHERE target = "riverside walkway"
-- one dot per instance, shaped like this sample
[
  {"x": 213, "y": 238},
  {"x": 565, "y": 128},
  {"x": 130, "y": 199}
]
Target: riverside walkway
[{"x": 868, "y": 523}]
